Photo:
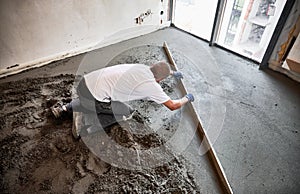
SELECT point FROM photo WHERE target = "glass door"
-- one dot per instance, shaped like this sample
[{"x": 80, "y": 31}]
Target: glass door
[
  {"x": 195, "y": 16},
  {"x": 247, "y": 26}
]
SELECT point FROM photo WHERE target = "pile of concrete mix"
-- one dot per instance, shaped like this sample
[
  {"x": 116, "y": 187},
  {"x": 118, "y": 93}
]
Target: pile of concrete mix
[{"x": 39, "y": 154}]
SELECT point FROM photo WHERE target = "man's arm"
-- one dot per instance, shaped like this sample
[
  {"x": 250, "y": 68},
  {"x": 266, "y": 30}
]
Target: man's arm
[{"x": 176, "y": 104}]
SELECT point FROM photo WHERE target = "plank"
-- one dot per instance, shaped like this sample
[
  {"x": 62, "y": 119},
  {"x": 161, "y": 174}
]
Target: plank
[{"x": 202, "y": 133}]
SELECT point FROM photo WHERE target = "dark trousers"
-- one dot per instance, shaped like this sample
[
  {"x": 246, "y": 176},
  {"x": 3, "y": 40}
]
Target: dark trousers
[
  {"x": 86, "y": 103},
  {"x": 107, "y": 113}
]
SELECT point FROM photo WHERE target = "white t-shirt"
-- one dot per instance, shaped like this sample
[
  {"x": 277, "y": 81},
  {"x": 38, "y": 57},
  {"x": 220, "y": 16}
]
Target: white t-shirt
[{"x": 125, "y": 82}]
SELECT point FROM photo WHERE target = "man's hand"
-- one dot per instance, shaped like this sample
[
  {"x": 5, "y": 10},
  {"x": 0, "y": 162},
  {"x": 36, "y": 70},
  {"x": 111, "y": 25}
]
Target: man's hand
[
  {"x": 190, "y": 97},
  {"x": 176, "y": 104},
  {"x": 177, "y": 75}
]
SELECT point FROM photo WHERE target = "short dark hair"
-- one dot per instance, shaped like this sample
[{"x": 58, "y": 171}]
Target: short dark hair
[{"x": 160, "y": 70}]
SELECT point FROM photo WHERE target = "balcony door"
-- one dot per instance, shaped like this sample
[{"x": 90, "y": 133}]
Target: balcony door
[{"x": 246, "y": 25}]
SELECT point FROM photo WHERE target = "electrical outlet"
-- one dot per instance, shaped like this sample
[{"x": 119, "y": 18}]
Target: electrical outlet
[{"x": 140, "y": 19}]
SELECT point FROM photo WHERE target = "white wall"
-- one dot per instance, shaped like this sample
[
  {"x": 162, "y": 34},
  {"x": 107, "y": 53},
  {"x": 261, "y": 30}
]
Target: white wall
[{"x": 36, "y": 32}]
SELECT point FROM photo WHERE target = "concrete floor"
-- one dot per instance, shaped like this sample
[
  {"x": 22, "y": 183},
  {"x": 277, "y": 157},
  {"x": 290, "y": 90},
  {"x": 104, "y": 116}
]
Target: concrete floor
[{"x": 251, "y": 116}]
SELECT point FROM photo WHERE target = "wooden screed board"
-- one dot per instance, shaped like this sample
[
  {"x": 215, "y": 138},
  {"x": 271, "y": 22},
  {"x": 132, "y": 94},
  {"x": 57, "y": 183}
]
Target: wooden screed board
[{"x": 201, "y": 132}]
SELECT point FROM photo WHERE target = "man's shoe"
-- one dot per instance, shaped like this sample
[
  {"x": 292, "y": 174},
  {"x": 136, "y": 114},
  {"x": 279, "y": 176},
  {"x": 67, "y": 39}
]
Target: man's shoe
[
  {"x": 78, "y": 123},
  {"x": 57, "y": 110}
]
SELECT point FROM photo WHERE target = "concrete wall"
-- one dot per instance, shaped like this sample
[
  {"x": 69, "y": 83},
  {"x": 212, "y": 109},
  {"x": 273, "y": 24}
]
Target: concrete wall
[{"x": 35, "y": 32}]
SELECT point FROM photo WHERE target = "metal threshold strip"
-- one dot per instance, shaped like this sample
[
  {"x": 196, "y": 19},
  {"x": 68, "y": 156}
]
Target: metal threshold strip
[{"x": 224, "y": 184}]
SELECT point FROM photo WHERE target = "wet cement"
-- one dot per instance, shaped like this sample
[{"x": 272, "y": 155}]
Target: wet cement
[
  {"x": 39, "y": 155},
  {"x": 259, "y": 141}
]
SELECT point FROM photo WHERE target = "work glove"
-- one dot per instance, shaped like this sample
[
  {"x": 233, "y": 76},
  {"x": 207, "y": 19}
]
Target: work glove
[
  {"x": 177, "y": 75},
  {"x": 190, "y": 97}
]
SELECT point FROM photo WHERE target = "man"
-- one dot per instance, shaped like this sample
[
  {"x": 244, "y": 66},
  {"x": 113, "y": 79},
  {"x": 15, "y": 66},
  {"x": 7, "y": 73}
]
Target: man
[{"x": 110, "y": 87}]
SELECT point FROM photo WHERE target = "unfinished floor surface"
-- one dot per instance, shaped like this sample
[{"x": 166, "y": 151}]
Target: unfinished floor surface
[
  {"x": 129, "y": 157},
  {"x": 251, "y": 116}
]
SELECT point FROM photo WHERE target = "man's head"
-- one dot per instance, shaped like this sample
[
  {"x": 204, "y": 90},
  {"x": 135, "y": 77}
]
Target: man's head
[{"x": 160, "y": 70}]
